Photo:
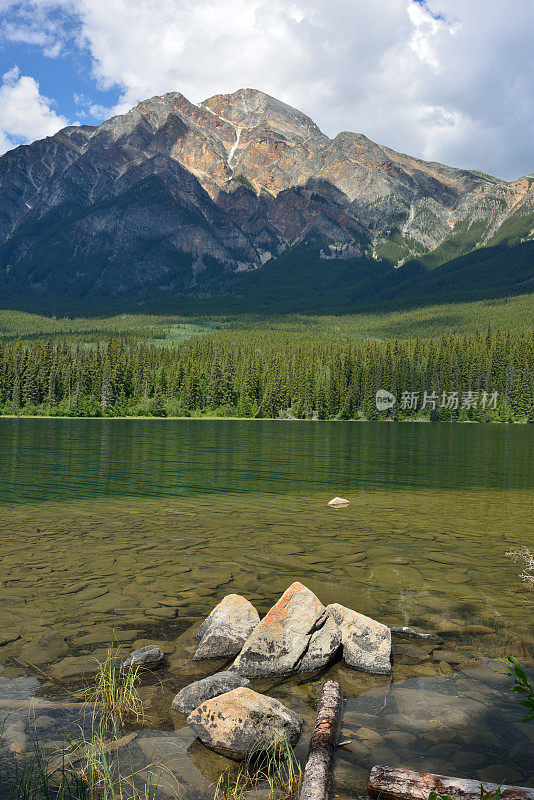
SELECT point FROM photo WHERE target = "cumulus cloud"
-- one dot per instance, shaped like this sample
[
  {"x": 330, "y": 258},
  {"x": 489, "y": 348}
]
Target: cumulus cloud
[
  {"x": 443, "y": 79},
  {"x": 25, "y": 114}
]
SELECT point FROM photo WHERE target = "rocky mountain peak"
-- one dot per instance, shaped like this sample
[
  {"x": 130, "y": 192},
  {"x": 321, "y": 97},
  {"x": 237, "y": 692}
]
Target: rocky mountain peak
[
  {"x": 172, "y": 187},
  {"x": 250, "y": 108}
]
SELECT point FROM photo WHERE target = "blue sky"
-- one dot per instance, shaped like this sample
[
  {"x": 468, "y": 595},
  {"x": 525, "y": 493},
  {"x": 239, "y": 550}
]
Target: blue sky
[
  {"x": 66, "y": 80},
  {"x": 446, "y": 80}
]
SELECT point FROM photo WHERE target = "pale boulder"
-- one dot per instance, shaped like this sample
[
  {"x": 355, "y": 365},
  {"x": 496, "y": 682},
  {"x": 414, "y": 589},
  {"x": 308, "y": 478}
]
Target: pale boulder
[
  {"x": 151, "y": 654},
  {"x": 366, "y": 643},
  {"x": 224, "y": 631}
]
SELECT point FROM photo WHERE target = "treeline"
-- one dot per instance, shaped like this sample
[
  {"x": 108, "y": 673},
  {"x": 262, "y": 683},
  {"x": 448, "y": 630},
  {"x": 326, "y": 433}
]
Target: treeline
[{"x": 486, "y": 376}]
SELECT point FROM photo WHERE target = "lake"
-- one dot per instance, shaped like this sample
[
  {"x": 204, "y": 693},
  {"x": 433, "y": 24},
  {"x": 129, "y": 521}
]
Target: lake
[{"x": 136, "y": 528}]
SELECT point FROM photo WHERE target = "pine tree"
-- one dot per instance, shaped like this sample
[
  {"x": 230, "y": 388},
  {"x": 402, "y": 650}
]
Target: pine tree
[{"x": 106, "y": 397}]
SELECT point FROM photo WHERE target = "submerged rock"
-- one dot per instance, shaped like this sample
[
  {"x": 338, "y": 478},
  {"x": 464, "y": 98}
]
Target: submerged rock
[
  {"x": 46, "y": 649},
  {"x": 366, "y": 643},
  {"x": 151, "y": 654},
  {"x": 403, "y": 630},
  {"x": 242, "y": 721},
  {"x": 338, "y": 502},
  {"x": 297, "y": 635},
  {"x": 73, "y": 666},
  {"x": 224, "y": 631},
  {"x": 190, "y": 697}
]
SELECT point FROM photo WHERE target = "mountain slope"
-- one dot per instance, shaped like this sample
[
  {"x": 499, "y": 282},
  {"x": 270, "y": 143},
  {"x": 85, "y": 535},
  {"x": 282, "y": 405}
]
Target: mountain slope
[{"x": 182, "y": 200}]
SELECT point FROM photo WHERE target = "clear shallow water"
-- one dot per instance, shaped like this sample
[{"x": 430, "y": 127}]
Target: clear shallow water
[{"x": 141, "y": 526}]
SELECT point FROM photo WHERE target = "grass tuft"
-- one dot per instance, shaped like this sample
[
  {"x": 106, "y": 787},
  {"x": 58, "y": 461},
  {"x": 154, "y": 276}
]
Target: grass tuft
[
  {"x": 115, "y": 689},
  {"x": 277, "y": 766}
]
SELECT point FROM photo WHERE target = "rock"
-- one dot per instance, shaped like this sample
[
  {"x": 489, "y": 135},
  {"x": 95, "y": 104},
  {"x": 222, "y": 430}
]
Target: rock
[
  {"x": 240, "y": 721},
  {"x": 46, "y": 649},
  {"x": 369, "y": 736},
  {"x": 8, "y": 638},
  {"x": 448, "y": 656},
  {"x": 102, "y": 634},
  {"x": 366, "y": 643},
  {"x": 338, "y": 502},
  {"x": 405, "y": 631},
  {"x": 411, "y": 652},
  {"x": 167, "y": 647},
  {"x": 190, "y": 697},
  {"x": 151, "y": 654},
  {"x": 500, "y": 773},
  {"x": 324, "y": 644},
  {"x": 224, "y": 632},
  {"x": 73, "y": 666},
  {"x": 161, "y": 612},
  {"x": 401, "y": 738},
  {"x": 296, "y": 635},
  {"x": 477, "y": 630},
  {"x": 432, "y": 708}
]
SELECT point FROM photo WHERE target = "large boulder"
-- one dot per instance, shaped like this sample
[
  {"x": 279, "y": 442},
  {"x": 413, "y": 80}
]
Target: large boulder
[
  {"x": 190, "y": 697},
  {"x": 224, "y": 631},
  {"x": 243, "y": 721},
  {"x": 297, "y": 635},
  {"x": 366, "y": 643}
]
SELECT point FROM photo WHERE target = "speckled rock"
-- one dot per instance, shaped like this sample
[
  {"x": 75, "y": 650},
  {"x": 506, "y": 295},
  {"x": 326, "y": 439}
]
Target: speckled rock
[
  {"x": 190, "y": 697},
  {"x": 237, "y": 722},
  {"x": 366, "y": 643},
  {"x": 297, "y": 635},
  {"x": 225, "y": 630}
]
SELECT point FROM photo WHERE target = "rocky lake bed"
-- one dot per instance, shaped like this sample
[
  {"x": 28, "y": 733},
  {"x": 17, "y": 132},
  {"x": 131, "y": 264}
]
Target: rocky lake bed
[
  {"x": 100, "y": 547},
  {"x": 415, "y": 699}
]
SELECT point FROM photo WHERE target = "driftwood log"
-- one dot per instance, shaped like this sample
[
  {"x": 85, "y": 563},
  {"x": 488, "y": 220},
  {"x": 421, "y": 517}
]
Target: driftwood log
[
  {"x": 46, "y": 705},
  {"x": 318, "y": 771},
  {"x": 404, "y": 784}
]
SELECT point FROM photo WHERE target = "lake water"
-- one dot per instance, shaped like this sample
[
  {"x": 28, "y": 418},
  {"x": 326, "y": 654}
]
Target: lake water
[{"x": 140, "y": 527}]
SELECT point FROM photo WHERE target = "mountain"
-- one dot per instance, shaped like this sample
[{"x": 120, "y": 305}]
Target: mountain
[{"x": 209, "y": 204}]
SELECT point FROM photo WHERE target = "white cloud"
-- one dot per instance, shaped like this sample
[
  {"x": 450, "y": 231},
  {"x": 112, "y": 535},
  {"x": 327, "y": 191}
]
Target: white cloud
[
  {"x": 449, "y": 80},
  {"x": 25, "y": 114}
]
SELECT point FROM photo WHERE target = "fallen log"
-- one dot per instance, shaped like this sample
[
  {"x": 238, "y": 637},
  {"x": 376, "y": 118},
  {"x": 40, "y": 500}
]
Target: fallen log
[
  {"x": 323, "y": 743},
  {"x": 41, "y": 704},
  {"x": 404, "y": 784},
  {"x": 80, "y": 751}
]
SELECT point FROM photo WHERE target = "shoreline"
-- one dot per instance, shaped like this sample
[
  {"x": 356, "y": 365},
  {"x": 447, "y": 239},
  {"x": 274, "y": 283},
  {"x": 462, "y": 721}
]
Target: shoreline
[{"x": 265, "y": 419}]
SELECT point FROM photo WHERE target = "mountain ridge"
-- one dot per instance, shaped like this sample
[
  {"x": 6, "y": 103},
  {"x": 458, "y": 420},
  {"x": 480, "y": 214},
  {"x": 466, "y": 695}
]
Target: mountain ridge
[{"x": 181, "y": 198}]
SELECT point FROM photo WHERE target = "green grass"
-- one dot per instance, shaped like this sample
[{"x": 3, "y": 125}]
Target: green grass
[
  {"x": 86, "y": 768},
  {"x": 275, "y": 767},
  {"x": 89, "y": 767},
  {"x": 115, "y": 690},
  {"x": 16, "y": 324},
  {"x": 510, "y": 313}
]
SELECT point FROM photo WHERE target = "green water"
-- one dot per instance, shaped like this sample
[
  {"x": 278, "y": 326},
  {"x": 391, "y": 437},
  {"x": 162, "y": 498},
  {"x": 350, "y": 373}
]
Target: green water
[{"x": 142, "y": 526}]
